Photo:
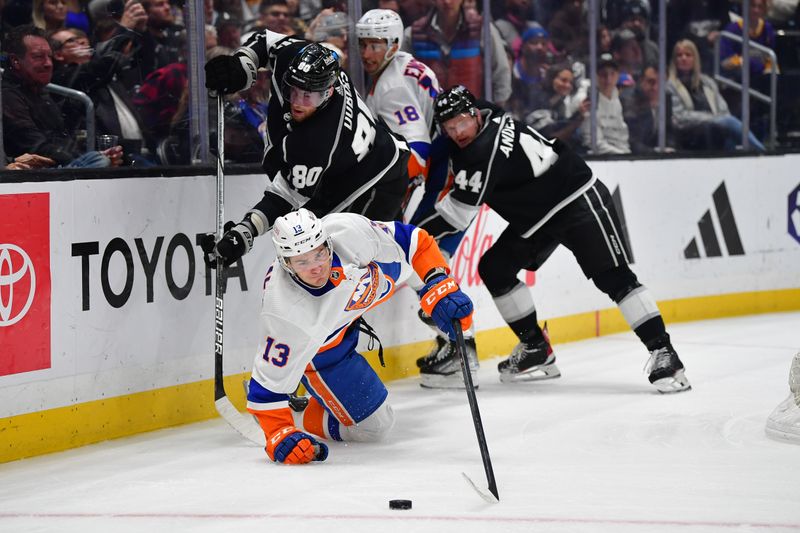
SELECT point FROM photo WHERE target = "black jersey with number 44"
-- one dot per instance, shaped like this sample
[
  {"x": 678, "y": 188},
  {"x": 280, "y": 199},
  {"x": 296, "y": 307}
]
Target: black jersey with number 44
[
  {"x": 511, "y": 167},
  {"x": 329, "y": 159}
]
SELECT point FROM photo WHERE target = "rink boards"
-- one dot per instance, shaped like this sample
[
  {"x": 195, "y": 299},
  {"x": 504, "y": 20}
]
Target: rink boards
[{"x": 106, "y": 307}]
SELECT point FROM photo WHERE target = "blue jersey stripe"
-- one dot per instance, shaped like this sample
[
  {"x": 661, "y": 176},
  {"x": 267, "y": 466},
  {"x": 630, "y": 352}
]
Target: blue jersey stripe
[
  {"x": 258, "y": 394},
  {"x": 403, "y": 234}
]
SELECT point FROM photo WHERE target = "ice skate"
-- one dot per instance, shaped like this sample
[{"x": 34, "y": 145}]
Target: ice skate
[
  {"x": 529, "y": 362},
  {"x": 430, "y": 358},
  {"x": 784, "y": 422},
  {"x": 443, "y": 370},
  {"x": 666, "y": 371}
]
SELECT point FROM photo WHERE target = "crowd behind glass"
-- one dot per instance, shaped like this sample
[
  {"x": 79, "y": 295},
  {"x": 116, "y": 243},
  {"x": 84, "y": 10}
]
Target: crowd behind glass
[{"x": 129, "y": 57}]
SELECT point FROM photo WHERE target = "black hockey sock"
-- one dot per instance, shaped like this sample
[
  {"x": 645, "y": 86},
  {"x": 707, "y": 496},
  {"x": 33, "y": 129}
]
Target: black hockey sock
[
  {"x": 527, "y": 328},
  {"x": 653, "y": 333}
]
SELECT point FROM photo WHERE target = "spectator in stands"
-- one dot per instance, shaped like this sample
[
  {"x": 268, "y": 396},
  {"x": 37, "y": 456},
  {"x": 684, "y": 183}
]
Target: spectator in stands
[
  {"x": 299, "y": 26},
  {"x": 229, "y": 33},
  {"x": 535, "y": 56},
  {"x": 513, "y": 21},
  {"x": 761, "y": 32},
  {"x": 330, "y": 27},
  {"x": 49, "y": 15},
  {"x": 77, "y": 16},
  {"x": 448, "y": 39},
  {"x": 612, "y": 131},
  {"x": 411, "y": 10},
  {"x": 163, "y": 40},
  {"x": 29, "y": 162},
  {"x": 32, "y": 122},
  {"x": 699, "y": 113},
  {"x": 612, "y": 12},
  {"x": 761, "y": 65},
  {"x": 79, "y": 67},
  {"x": 274, "y": 16},
  {"x": 569, "y": 29},
  {"x": 559, "y": 111},
  {"x": 640, "y": 109},
  {"x": 211, "y": 36},
  {"x": 697, "y": 20},
  {"x": 603, "y": 39},
  {"x": 628, "y": 56},
  {"x": 157, "y": 100},
  {"x": 636, "y": 17}
]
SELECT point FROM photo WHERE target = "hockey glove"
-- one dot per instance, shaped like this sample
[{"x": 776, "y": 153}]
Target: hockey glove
[
  {"x": 225, "y": 74},
  {"x": 235, "y": 242},
  {"x": 292, "y": 446},
  {"x": 443, "y": 301}
]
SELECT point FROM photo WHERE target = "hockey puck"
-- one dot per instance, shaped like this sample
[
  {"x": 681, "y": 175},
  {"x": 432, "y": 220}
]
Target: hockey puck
[{"x": 399, "y": 504}]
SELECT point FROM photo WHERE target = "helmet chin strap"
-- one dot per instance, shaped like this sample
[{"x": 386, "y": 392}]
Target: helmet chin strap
[{"x": 391, "y": 51}]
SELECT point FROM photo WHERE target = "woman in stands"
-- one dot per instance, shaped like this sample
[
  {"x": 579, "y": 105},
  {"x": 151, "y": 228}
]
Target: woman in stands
[{"x": 699, "y": 113}]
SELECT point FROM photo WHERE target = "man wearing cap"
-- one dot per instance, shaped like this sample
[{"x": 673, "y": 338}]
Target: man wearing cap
[
  {"x": 535, "y": 55},
  {"x": 627, "y": 54},
  {"x": 636, "y": 17},
  {"x": 612, "y": 131}
]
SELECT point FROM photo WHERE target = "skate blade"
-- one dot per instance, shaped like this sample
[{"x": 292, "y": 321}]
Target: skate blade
[
  {"x": 447, "y": 381},
  {"x": 676, "y": 383},
  {"x": 536, "y": 373}
]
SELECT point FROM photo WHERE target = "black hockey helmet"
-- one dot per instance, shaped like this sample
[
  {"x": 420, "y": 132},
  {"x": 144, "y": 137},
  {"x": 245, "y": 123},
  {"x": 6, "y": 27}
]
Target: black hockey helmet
[
  {"x": 314, "y": 69},
  {"x": 453, "y": 102}
]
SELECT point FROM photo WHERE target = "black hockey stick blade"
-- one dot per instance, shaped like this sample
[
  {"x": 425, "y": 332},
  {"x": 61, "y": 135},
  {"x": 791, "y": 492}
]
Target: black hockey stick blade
[{"x": 476, "y": 415}]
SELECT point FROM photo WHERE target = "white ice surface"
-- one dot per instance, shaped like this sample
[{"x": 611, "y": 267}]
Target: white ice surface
[{"x": 596, "y": 450}]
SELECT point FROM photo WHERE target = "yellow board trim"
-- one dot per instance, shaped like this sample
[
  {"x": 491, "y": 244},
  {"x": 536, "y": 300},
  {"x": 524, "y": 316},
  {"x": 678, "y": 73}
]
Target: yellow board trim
[{"x": 63, "y": 428}]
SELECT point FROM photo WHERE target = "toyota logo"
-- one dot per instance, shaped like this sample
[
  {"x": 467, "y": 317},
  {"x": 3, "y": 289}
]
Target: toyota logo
[{"x": 9, "y": 277}]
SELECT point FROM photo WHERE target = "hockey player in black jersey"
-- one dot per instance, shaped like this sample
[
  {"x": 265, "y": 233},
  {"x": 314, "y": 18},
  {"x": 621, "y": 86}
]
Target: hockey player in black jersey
[
  {"x": 548, "y": 196},
  {"x": 325, "y": 150}
]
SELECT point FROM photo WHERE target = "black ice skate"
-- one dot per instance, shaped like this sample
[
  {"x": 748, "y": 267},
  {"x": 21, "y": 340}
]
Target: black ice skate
[
  {"x": 430, "y": 358},
  {"x": 666, "y": 370},
  {"x": 442, "y": 370},
  {"x": 529, "y": 362}
]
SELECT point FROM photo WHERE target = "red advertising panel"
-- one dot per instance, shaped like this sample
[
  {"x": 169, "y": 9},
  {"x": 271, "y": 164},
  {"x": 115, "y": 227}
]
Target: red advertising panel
[{"x": 24, "y": 282}]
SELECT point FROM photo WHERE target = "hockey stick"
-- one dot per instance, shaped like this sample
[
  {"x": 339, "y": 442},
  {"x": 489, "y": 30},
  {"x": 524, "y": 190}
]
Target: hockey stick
[
  {"x": 476, "y": 418},
  {"x": 245, "y": 425}
]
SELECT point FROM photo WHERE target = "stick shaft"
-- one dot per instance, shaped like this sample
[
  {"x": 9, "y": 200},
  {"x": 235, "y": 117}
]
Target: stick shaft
[
  {"x": 219, "y": 302},
  {"x": 473, "y": 405}
]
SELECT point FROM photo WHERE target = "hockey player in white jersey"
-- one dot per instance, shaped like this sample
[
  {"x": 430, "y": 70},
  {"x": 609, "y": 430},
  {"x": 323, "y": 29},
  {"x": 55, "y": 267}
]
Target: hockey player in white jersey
[
  {"x": 328, "y": 273},
  {"x": 401, "y": 92}
]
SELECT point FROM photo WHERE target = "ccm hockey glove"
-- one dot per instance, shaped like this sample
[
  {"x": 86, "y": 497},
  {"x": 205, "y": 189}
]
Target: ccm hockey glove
[
  {"x": 235, "y": 242},
  {"x": 292, "y": 446},
  {"x": 225, "y": 74},
  {"x": 443, "y": 301}
]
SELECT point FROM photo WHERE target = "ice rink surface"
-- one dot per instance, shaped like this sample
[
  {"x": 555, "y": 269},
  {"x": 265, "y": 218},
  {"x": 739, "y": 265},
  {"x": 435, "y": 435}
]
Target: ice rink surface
[{"x": 595, "y": 450}]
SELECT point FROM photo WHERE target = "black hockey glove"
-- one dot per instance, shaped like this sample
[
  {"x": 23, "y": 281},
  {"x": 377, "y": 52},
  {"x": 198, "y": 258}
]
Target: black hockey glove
[
  {"x": 235, "y": 242},
  {"x": 225, "y": 74}
]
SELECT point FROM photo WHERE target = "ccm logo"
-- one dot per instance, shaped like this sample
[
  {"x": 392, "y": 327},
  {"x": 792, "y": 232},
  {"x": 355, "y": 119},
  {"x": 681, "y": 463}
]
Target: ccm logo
[{"x": 445, "y": 287}]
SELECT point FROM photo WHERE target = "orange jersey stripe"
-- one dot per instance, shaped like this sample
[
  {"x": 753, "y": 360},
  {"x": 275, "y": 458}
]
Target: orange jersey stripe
[
  {"x": 314, "y": 418},
  {"x": 322, "y": 390},
  {"x": 427, "y": 256}
]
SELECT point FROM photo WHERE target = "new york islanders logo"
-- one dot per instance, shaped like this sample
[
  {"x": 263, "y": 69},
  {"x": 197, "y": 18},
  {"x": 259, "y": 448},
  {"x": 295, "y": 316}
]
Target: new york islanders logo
[{"x": 366, "y": 292}]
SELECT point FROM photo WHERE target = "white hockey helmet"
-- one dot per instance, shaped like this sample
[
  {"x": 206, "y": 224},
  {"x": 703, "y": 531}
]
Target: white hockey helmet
[
  {"x": 296, "y": 233},
  {"x": 381, "y": 24}
]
